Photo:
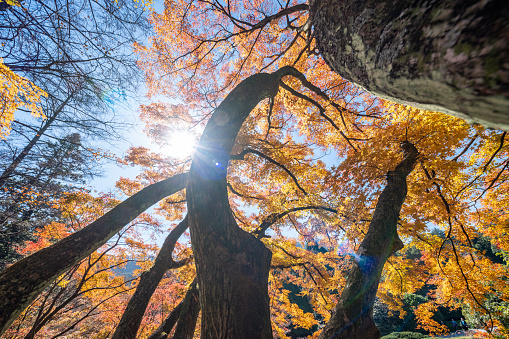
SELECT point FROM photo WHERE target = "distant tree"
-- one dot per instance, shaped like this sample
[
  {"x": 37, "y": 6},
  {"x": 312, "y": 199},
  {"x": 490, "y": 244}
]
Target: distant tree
[
  {"x": 16, "y": 91},
  {"x": 489, "y": 249},
  {"x": 80, "y": 54},
  {"x": 84, "y": 301},
  {"x": 30, "y": 199}
]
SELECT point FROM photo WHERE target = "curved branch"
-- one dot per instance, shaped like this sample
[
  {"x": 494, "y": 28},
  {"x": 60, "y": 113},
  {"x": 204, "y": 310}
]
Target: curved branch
[
  {"x": 485, "y": 166},
  {"x": 466, "y": 147},
  {"x": 22, "y": 282},
  {"x": 234, "y": 191},
  {"x": 274, "y": 217},
  {"x": 496, "y": 152},
  {"x": 266, "y": 157},
  {"x": 322, "y": 112}
]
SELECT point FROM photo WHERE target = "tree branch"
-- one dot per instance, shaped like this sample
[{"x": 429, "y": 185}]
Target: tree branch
[
  {"x": 241, "y": 155},
  {"x": 274, "y": 217},
  {"x": 22, "y": 282},
  {"x": 133, "y": 314}
]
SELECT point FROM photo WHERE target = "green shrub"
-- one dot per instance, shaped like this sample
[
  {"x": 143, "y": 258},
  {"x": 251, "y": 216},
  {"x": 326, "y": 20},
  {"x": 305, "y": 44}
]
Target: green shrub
[{"x": 405, "y": 335}]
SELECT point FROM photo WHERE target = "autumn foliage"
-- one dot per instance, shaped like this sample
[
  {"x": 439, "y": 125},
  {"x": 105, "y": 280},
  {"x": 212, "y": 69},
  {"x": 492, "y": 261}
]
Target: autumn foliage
[
  {"x": 305, "y": 173},
  {"x": 16, "y": 92}
]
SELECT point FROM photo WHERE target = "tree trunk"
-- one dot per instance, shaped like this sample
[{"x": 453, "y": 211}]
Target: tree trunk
[
  {"x": 188, "y": 314},
  {"x": 133, "y": 314},
  {"x": 163, "y": 331},
  {"x": 353, "y": 315},
  {"x": 22, "y": 282},
  {"x": 232, "y": 266},
  {"x": 448, "y": 56}
]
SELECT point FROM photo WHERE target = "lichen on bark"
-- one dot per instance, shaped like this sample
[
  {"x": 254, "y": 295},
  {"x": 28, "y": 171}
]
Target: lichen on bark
[{"x": 449, "y": 56}]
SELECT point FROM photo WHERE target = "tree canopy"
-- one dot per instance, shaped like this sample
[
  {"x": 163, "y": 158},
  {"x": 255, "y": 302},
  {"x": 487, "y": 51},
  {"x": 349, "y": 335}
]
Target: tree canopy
[{"x": 290, "y": 154}]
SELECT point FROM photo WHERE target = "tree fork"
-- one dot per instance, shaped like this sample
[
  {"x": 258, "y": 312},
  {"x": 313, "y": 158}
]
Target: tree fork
[
  {"x": 22, "y": 282},
  {"x": 352, "y": 317},
  {"x": 133, "y": 314},
  {"x": 232, "y": 265}
]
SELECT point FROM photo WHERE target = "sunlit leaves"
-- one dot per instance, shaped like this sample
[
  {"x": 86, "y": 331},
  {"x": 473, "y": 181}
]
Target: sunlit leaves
[
  {"x": 313, "y": 160},
  {"x": 16, "y": 92}
]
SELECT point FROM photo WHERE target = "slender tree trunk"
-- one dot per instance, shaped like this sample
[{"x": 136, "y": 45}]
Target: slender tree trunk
[
  {"x": 188, "y": 315},
  {"x": 353, "y": 315},
  {"x": 232, "y": 265},
  {"x": 164, "y": 330},
  {"x": 133, "y": 314},
  {"x": 440, "y": 55},
  {"x": 22, "y": 282}
]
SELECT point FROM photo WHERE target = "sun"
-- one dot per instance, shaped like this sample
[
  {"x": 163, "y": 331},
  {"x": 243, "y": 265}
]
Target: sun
[{"x": 181, "y": 143}]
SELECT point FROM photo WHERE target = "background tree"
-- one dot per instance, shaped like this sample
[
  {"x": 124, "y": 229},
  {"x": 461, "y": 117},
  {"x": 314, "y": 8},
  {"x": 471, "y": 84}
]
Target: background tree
[
  {"x": 86, "y": 299},
  {"x": 30, "y": 200},
  {"x": 16, "y": 91},
  {"x": 80, "y": 54}
]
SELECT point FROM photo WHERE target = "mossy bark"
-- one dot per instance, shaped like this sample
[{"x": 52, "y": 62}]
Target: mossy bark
[
  {"x": 22, "y": 282},
  {"x": 352, "y": 317},
  {"x": 440, "y": 55}
]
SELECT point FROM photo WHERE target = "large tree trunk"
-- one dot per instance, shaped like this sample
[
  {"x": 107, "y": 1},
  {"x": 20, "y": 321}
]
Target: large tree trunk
[
  {"x": 353, "y": 315},
  {"x": 232, "y": 265},
  {"x": 133, "y": 314},
  {"x": 440, "y": 55},
  {"x": 22, "y": 282}
]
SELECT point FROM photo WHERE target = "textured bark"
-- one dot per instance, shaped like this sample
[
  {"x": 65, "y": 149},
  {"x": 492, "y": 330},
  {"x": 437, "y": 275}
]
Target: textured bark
[
  {"x": 352, "y": 317},
  {"x": 22, "y": 282},
  {"x": 133, "y": 314},
  {"x": 232, "y": 265},
  {"x": 441, "y": 55}
]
